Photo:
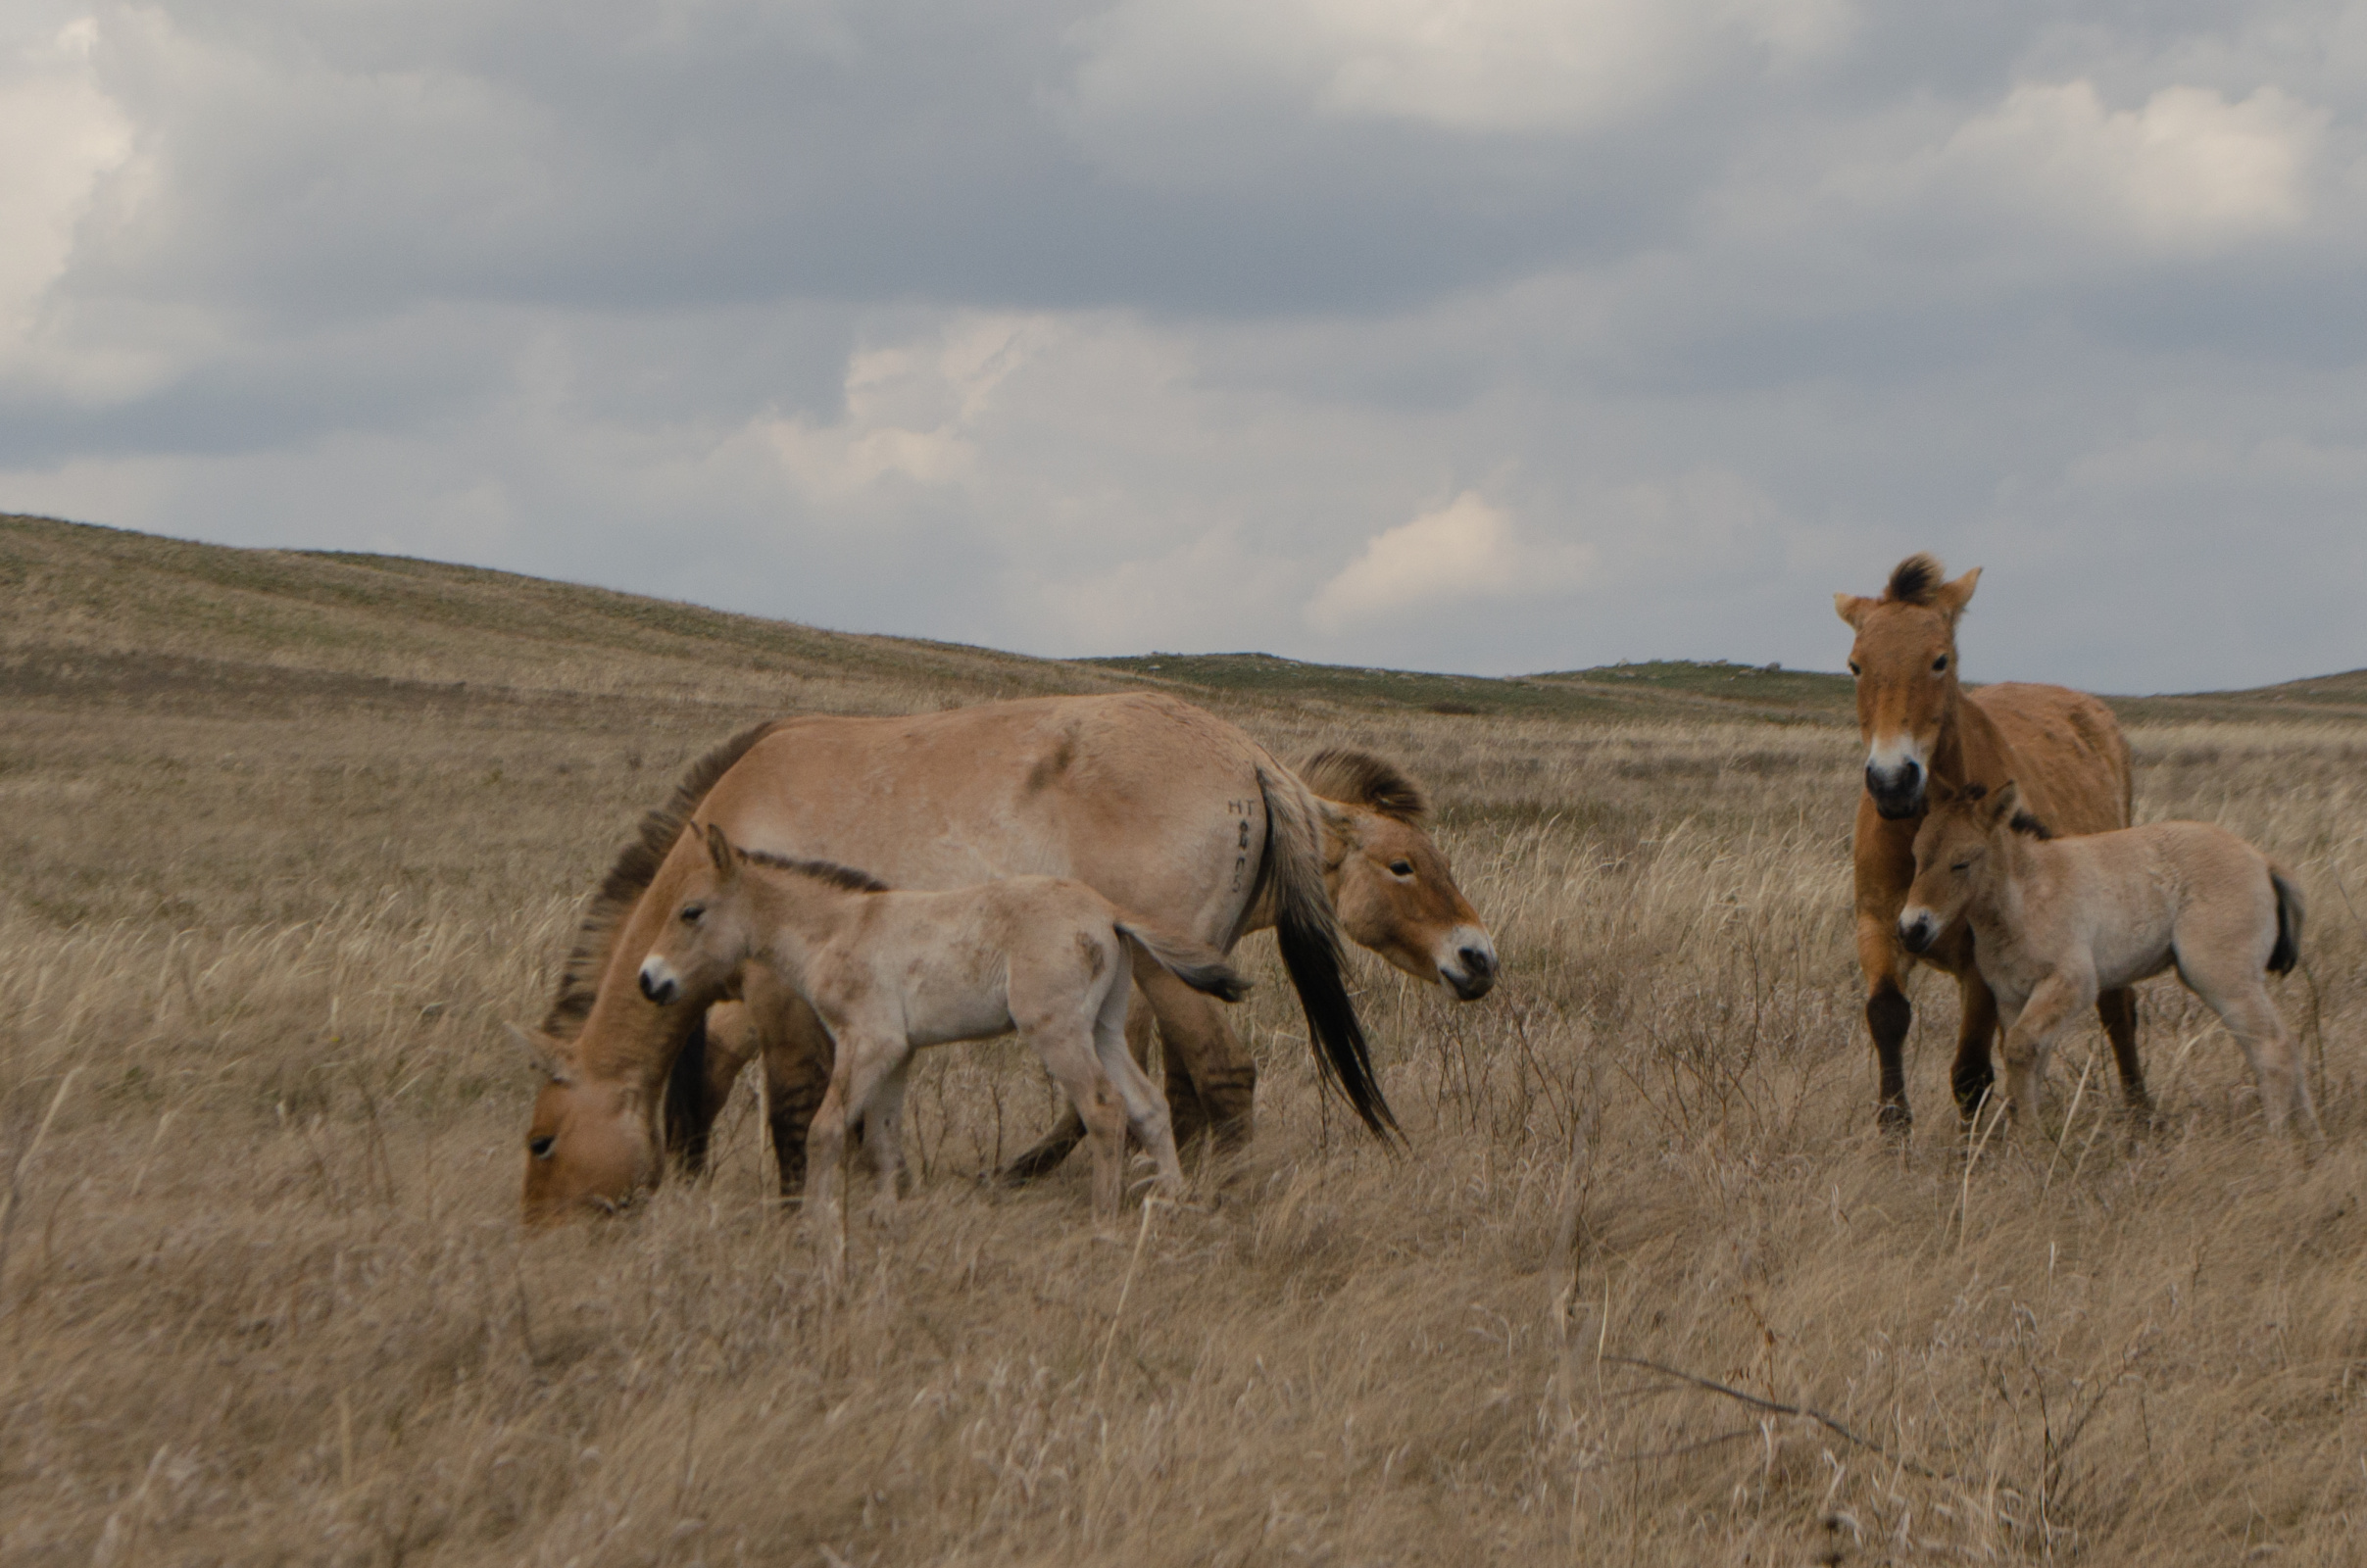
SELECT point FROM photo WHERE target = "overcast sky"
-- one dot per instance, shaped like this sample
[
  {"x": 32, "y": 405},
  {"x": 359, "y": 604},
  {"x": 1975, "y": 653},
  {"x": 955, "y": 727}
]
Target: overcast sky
[{"x": 1484, "y": 336}]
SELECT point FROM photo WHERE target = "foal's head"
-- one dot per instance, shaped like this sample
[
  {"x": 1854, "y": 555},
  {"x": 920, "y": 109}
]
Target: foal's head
[
  {"x": 1958, "y": 851},
  {"x": 1391, "y": 884},
  {"x": 1904, "y": 660},
  {"x": 708, "y": 935}
]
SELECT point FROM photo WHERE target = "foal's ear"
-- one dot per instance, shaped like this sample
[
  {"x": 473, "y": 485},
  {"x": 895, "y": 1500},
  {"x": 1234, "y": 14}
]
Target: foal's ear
[
  {"x": 718, "y": 849},
  {"x": 1851, "y": 608},
  {"x": 542, "y": 1049},
  {"x": 2004, "y": 803},
  {"x": 1950, "y": 598}
]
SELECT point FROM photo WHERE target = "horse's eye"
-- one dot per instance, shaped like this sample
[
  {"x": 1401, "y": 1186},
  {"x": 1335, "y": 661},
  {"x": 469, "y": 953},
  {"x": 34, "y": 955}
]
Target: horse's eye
[
  {"x": 541, "y": 1147},
  {"x": 1961, "y": 865},
  {"x": 691, "y": 913},
  {"x": 1854, "y": 669},
  {"x": 1401, "y": 869},
  {"x": 1940, "y": 663}
]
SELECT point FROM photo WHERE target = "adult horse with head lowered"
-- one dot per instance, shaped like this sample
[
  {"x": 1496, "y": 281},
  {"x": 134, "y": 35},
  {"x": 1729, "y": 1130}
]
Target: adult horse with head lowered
[
  {"x": 1922, "y": 726},
  {"x": 1159, "y": 806}
]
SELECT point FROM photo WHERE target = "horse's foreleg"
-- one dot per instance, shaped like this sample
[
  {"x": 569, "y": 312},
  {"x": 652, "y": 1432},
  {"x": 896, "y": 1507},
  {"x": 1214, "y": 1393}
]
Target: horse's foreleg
[
  {"x": 1211, "y": 1082},
  {"x": 2118, "y": 1010},
  {"x": 2052, "y": 1004},
  {"x": 1973, "y": 1076},
  {"x": 1887, "y": 1015},
  {"x": 798, "y": 1059}
]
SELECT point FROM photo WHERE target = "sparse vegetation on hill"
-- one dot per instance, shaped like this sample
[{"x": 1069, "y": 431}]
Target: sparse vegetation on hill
[{"x": 287, "y": 836}]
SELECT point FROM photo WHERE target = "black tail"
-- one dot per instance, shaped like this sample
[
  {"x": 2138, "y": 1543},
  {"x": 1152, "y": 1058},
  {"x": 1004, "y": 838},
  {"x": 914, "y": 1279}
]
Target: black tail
[
  {"x": 688, "y": 1118},
  {"x": 1310, "y": 937},
  {"x": 1195, "y": 963},
  {"x": 2288, "y": 950}
]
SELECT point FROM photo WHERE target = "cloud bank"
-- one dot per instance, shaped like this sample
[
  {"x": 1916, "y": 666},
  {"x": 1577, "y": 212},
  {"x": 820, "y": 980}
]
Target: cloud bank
[{"x": 1495, "y": 336}]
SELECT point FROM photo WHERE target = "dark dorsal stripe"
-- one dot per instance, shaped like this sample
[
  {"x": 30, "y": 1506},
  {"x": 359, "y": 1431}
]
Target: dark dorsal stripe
[
  {"x": 1360, "y": 778},
  {"x": 829, "y": 871},
  {"x": 636, "y": 866}
]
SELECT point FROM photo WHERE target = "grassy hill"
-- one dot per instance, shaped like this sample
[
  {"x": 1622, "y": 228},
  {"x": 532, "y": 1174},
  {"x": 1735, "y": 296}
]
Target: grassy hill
[
  {"x": 133, "y": 616},
  {"x": 286, "y": 838}
]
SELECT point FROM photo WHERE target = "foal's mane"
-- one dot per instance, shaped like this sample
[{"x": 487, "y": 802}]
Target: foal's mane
[
  {"x": 2024, "y": 824},
  {"x": 1915, "y": 580},
  {"x": 1360, "y": 778},
  {"x": 636, "y": 866},
  {"x": 829, "y": 871}
]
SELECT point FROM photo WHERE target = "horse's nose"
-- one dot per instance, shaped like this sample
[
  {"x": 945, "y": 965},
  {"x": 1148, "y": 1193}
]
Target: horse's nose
[
  {"x": 658, "y": 986},
  {"x": 1916, "y": 931},
  {"x": 1897, "y": 791},
  {"x": 1473, "y": 971}
]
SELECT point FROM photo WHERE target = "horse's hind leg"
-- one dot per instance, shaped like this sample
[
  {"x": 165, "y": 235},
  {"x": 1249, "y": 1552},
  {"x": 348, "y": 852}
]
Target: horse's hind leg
[
  {"x": 2244, "y": 1006},
  {"x": 2118, "y": 1010},
  {"x": 1211, "y": 1082},
  {"x": 1066, "y": 1046},
  {"x": 1146, "y": 1107},
  {"x": 1069, "y": 1130}
]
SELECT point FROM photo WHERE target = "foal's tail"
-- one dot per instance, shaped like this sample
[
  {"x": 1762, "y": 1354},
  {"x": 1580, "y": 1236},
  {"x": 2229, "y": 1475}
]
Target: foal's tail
[
  {"x": 2288, "y": 950},
  {"x": 1195, "y": 963},
  {"x": 1308, "y": 934}
]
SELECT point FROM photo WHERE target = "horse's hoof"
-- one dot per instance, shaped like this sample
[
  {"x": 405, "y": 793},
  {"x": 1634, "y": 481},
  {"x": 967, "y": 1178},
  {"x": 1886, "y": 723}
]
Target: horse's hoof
[{"x": 1895, "y": 1121}]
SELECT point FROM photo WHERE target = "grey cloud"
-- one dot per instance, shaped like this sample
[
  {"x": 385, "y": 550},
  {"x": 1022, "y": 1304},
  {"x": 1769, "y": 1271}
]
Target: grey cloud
[{"x": 930, "y": 319}]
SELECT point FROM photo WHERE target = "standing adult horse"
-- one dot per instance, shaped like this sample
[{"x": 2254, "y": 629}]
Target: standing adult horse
[
  {"x": 1922, "y": 726},
  {"x": 1161, "y": 807},
  {"x": 1389, "y": 881}
]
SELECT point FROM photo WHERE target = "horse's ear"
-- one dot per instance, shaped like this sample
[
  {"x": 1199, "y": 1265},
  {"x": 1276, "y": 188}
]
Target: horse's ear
[
  {"x": 1851, "y": 608},
  {"x": 718, "y": 849},
  {"x": 2004, "y": 803},
  {"x": 543, "y": 1051},
  {"x": 1950, "y": 598},
  {"x": 1940, "y": 791}
]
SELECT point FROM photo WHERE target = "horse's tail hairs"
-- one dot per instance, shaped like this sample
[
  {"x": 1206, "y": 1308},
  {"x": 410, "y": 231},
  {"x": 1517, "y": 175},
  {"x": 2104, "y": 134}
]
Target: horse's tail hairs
[
  {"x": 2288, "y": 950},
  {"x": 1308, "y": 934}
]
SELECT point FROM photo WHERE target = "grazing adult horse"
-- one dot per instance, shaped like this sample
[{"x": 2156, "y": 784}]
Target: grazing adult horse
[
  {"x": 2059, "y": 920},
  {"x": 1158, "y": 806},
  {"x": 887, "y": 972},
  {"x": 1922, "y": 727}
]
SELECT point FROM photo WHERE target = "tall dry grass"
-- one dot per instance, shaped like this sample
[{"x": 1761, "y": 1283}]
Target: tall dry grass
[{"x": 1647, "y": 1286}]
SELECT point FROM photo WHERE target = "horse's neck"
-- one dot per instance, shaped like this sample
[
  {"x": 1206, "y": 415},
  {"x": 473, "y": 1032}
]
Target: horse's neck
[
  {"x": 2000, "y": 914},
  {"x": 793, "y": 917},
  {"x": 1971, "y": 749}
]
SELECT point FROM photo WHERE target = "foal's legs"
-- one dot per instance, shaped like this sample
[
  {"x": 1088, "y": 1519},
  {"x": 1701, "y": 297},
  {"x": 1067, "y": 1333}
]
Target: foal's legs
[
  {"x": 1065, "y": 1043},
  {"x": 1069, "y": 1130},
  {"x": 2058, "y": 999},
  {"x": 2237, "y": 992},
  {"x": 883, "y": 1128},
  {"x": 1146, "y": 1107}
]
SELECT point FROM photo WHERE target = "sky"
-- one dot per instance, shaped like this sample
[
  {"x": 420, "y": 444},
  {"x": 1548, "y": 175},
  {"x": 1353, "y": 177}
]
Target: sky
[{"x": 1478, "y": 335}]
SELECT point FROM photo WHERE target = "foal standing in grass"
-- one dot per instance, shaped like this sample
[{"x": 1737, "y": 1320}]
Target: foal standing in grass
[
  {"x": 2057, "y": 922},
  {"x": 887, "y": 972}
]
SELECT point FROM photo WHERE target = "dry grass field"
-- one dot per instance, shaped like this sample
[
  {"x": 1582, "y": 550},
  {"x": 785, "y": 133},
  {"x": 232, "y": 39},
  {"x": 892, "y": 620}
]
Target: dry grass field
[{"x": 284, "y": 840}]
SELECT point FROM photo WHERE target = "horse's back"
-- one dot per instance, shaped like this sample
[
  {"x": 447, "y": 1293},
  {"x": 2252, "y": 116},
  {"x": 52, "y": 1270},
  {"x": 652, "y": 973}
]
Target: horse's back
[
  {"x": 1146, "y": 800},
  {"x": 2069, "y": 755}
]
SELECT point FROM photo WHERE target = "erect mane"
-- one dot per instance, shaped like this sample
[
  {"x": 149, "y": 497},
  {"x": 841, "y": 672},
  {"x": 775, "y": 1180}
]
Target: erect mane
[
  {"x": 1360, "y": 778},
  {"x": 1915, "y": 580},
  {"x": 636, "y": 866},
  {"x": 2024, "y": 822},
  {"x": 831, "y": 871}
]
